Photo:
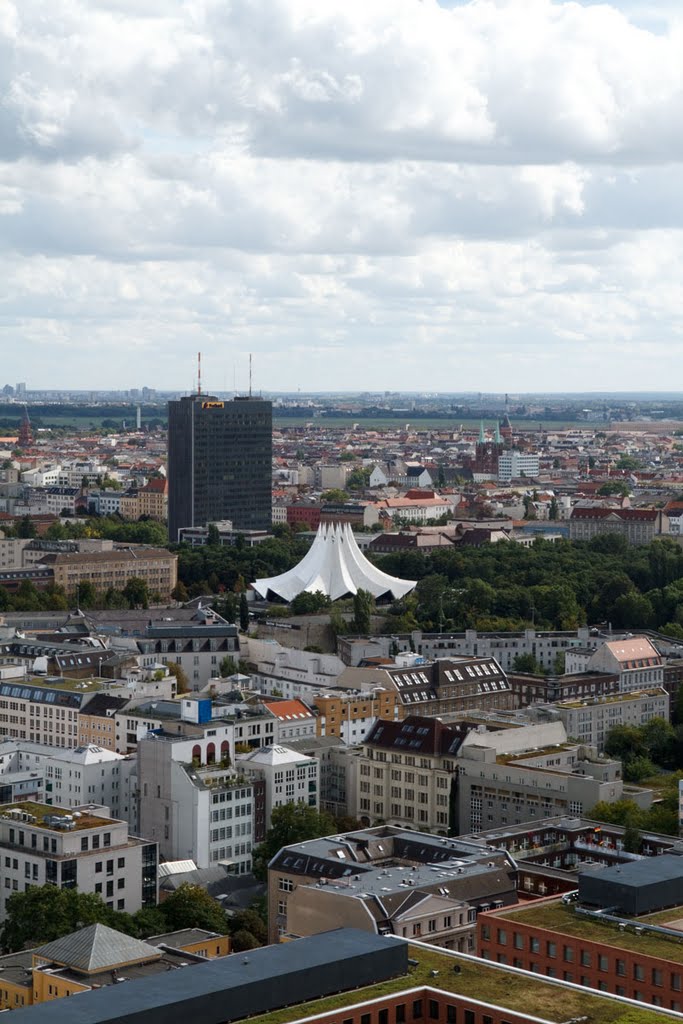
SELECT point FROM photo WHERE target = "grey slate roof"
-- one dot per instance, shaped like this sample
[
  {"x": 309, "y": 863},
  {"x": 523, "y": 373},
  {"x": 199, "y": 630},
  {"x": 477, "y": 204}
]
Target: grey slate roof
[{"x": 96, "y": 948}]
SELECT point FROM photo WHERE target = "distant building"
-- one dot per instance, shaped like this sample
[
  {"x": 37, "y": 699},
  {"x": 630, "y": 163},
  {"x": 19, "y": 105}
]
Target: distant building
[
  {"x": 219, "y": 462},
  {"x": 637, "y": 525},
  {"x": 635, "y": 660},
  {"x": 512, "y": 465}
]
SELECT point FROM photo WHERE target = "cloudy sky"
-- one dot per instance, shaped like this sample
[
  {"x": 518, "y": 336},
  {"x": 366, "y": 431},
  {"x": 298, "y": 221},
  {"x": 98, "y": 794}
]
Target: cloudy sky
[{"x": 365, "y": 194}]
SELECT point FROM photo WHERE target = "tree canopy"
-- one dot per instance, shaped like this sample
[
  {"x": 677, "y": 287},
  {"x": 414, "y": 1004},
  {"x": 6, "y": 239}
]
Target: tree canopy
[{"x": 291, "y": 823}]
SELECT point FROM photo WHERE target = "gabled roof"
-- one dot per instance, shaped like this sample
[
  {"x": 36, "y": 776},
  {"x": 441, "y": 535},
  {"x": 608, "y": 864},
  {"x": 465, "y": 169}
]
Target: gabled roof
[
  {"x": 96, "y": 948},
  {"x": 288, "y": 710}
]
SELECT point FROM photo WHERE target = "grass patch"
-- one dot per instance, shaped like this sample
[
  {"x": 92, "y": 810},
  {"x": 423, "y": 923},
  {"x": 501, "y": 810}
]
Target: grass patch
[
  {"x": 563, "y": 919},
  {"x": 477, "y": 980}
]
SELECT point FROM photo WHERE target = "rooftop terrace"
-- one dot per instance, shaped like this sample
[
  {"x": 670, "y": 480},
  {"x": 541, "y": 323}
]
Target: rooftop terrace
[{"x": 44, "y": 815}]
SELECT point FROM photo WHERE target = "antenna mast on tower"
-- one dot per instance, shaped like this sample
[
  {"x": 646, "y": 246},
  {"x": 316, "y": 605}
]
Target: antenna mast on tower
[
  {"x": 199, "y": 373},
  {"x": 250, "y": 374}
]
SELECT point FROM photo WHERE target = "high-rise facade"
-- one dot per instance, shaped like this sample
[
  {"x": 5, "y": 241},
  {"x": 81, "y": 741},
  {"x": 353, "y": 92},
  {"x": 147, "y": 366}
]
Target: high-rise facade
[{"x": 219, "y": 462}]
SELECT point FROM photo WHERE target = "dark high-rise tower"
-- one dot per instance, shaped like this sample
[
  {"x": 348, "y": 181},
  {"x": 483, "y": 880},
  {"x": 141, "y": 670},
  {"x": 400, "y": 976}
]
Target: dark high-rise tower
[{"x": 219, "y": 462}]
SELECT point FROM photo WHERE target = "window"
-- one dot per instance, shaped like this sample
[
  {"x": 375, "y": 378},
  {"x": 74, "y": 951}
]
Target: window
[
  {"x": 285, "y": 885},
  {"x": 621, "y": 968},
  {"x": 585, "y": 958},
  {"x": 121, "y": 862},
  {"x": 603, "y": 962},
  {"x": 451, "y": 1014},
  {"x": 502, "y": 937},
  {"x": 365, "y": 1018},
  {"x": 551, "y": 949},
  {"x": 568, "y": 954},
  {"x": 400, "y": 1013},
  {"x": 518, "y": 940},
  {"x": 433, "y": 1009},
  {"x": 657, "y": 975},
  {"x": 417, "y": 1010},
  {"x": 638, "y": 972}
]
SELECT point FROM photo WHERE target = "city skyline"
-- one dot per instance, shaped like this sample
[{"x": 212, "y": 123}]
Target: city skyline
[{"x": 490, "y": 194}]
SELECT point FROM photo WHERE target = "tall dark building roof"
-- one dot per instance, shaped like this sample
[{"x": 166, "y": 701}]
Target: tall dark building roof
[{"x": 219, "y": 462}]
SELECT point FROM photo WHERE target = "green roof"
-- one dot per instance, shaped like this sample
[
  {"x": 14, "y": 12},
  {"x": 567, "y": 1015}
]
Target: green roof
[
  {"x": 557, "y": 917},
  {"x": 514, "y": 991}
]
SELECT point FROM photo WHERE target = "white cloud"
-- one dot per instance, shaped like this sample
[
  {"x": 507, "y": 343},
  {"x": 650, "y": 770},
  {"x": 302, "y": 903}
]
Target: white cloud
[{"x": 397, "y": 192}]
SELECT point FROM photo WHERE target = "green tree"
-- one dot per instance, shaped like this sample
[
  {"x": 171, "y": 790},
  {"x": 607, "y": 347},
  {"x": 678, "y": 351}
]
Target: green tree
[
  {"x": 26, "y": 528},
  {"x": 244, "y": 612},
  {"x": 335, "y": 496},
  {"x": 179, "y": 593},
  {"x": 86, "y": 595},
  {"x": 554, "y": 510},
  {"x": 213, "y": 537},
  {"x": 227, "y": 666},
  {"x": 290, "y": 823},
  {"x": 363, "y": 607},
  {"x": 190, "y": 906},
  {"x": 627, "y": 462},
  {"x": 614, "y": 487},
  {"x": 306, "y": 603},
  {"x": 527, "y": 663},
  {"x": 149, "y": 921},
  {"x": 136, "y": 592},
  {"x": 249, "y": 922},
  {"x": 243, "y": 940},
  {"x": 44, "y": 913},
  {"x": 182, "y": 682}
]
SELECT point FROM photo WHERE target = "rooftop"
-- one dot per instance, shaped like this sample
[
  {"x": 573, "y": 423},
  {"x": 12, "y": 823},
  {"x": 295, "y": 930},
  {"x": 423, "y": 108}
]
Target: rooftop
[
  {"x": 515, "y": 990},
  {"x": 45, "y": 816},
  {"x": 557, "y": 917},
  {"x": 615, "y": 698}
]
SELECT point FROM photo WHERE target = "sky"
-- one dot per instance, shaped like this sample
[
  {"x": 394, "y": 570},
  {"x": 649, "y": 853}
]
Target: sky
[{"x": 365, "y": 194}]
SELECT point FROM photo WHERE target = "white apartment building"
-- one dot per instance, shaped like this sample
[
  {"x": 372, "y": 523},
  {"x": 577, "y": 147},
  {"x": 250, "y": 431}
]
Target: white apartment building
[
  {"x": 195, "y": 807},
  {"x": 634, "y": 659},
  {"x": 84, "y": 775},
  {"x": 513, "y": 465},
  {"x": 289, "y": 777},
  {"x": 589, "y": 721},
  {"x": 80, "y": 848}
]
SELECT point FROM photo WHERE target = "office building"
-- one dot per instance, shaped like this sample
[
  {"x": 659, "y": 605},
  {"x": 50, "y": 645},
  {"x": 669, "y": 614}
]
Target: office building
[
  {"x": 389, "y": 881},
  {"x": 76, "y": 848},
  {"x": 193, "y": 803},
  {"x": 219, "y": 462}
]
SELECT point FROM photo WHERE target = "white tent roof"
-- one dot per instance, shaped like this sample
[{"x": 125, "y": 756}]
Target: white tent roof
[{"x": 335, "y": 566}]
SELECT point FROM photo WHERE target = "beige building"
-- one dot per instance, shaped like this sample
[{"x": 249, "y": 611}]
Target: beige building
[
  {"x": 97, "y": 721},
  {"x": 404, "y": 772},
  {"x": 350, "y": 716},
  {"x": 105, "y": 569},
  {"x": 44, "y": 713},
  {"x": 388, "y": 881}
]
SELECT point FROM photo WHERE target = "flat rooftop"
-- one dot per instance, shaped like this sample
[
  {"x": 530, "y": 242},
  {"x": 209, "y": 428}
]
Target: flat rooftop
[
  {"x": 515, "y": 991},
  {"x": 81, "y": 818},
  {"x": 558, "y": 917}
]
